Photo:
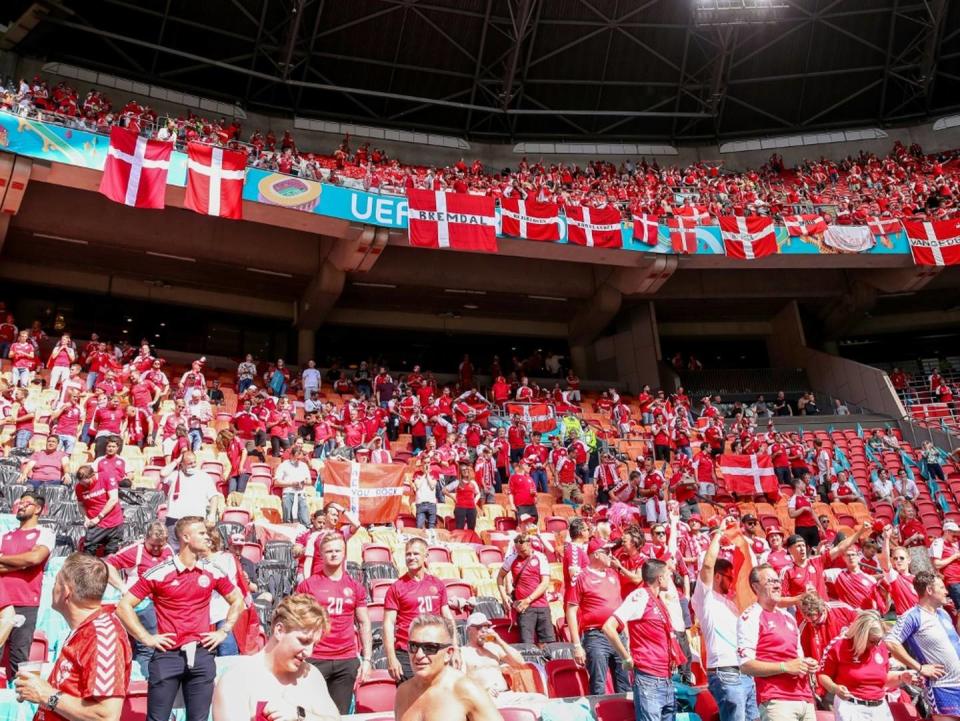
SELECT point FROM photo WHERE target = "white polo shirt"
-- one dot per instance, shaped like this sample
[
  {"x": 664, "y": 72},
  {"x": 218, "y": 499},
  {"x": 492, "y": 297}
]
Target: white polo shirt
[{"x": 718, "y": 624}]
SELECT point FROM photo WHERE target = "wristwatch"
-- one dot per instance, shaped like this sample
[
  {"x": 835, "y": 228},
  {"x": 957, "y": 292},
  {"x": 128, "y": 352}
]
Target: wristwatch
[{"x": 52, "y": 702}]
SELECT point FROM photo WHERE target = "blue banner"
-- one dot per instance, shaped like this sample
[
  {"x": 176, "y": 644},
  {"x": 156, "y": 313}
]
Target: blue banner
[{"x": 86, "y": 149}]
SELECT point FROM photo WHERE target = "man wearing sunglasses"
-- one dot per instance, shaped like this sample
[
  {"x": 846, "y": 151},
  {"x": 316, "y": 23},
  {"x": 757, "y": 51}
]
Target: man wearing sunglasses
[
  {"x": 529, "y": 573},
  {"x": 436, "y": 689}
]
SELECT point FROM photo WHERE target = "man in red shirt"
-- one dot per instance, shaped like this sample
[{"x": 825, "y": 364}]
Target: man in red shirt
[
  {"x": 134, "y": 561},
  {"x": 806, "y": 573},
  {"x": 653, "y": 654},
  {"x": 591, "y": 600},
  {"x": 65, "y": 421},
  {"x": 335, "y": 654},
  {"x": 768, "y": 646},
  {"x": 414, "y": 594},
  {"x": 185, "y": 646},
  {"x": 99, "y": 498},
  {"x": 536, "y": 456},
  {"x": 23, "y": 356},
  {"x": 522, "y": 492},
  {"x": 822, "y": 621},
  {"x": 945, "y": 557},
  {"x": 24, "y": 552},
  {"x": 92, "y": 671},
  {"x": 529, "y": 573}
]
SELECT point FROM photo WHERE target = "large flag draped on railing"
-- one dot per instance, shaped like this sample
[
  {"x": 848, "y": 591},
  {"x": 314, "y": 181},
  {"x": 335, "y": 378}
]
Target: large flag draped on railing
[
  {"x": 372, "y": 491},
  {"x": 135, "y": 173},
  {"x": 748, "y": 474},
  {"x": 457, "y": 221}
]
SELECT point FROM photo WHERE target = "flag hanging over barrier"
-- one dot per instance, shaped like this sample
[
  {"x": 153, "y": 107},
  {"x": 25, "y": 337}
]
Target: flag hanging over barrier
[
  {"x": 135, "y": 173},
  {"x": 372, "y": 491}
]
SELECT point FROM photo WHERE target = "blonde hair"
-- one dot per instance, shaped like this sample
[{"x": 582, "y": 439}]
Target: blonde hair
[
  {"x": 866, "y": 624},
  {"x": 301, "y": 611}
]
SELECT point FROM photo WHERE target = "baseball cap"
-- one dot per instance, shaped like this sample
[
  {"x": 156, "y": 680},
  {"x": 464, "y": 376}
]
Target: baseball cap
[
  {"x": 794, "y": 540},
  {"x": 951, "y": 526},
  {"x": 477, "y": 619},
  {"x": 237, "y": 538},
  {"x": 596, "y": 544},
  {"x": 748, "y": 517},
  {"x": 695, "y": 517}
]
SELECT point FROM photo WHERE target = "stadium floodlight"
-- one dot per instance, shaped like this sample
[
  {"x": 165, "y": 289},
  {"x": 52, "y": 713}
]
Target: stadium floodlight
[{"x": 738, "y": 12}]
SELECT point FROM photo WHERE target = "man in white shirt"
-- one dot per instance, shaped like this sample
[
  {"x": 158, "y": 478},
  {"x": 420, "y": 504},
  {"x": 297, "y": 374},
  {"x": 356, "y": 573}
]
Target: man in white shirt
[
  {"x": 734, "y": 692},
  {"x": 190, "y": 492},
  {"x": 310, "y": 378},
  {"x": 293, "y": 476},
  {"x": 278, "y": 682}
]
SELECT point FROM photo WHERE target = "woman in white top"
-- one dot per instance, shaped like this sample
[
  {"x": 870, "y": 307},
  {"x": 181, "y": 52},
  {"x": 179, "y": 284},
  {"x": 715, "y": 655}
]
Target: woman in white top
[
  {"x": 425, "y": 499},
  {"x": 218, "y": 605},
  {"x": 883, "y": 487},
  {"x": 293, "y": 476}
]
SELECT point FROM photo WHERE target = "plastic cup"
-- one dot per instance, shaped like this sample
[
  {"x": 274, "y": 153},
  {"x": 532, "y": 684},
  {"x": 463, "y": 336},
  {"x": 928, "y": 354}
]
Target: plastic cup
[{"x": 30, "y": 667}]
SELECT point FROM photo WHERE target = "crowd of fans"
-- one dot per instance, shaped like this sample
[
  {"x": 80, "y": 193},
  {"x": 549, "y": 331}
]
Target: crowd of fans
[
  {"x": 614, "y": 518},
  {"x": 905, "y": 183}
]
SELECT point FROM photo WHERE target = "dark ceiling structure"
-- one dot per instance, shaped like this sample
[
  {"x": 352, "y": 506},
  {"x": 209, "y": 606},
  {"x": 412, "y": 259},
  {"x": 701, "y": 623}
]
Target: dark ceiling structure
[{"x": 508, "y": 70}]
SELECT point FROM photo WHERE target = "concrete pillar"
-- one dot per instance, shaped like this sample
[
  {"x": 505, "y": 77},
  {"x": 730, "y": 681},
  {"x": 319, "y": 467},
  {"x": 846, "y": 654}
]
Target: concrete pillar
[
  {"x": 578, "y": 359},
  {"x": 786, "y": 344},
  {"x": 637, "y": 349},
  {"x": 590, "y": 320},
  {"x": 306, "y": 345}
]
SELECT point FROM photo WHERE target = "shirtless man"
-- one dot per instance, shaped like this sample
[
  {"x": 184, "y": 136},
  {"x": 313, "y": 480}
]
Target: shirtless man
[
  {"x": 278, "y": 684},
  {"x": 436, "y": 689}
]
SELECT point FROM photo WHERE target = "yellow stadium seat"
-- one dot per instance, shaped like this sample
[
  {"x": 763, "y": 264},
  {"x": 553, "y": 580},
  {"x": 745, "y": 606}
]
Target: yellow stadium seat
[
  {"x": 484, "y": 524},
  {"x": 444, "y": 570},
  {"x": 464, "y": 556},
  {"x": 493, "y": 511},
  {"x": 486, "y": 588},
  {"x": 476, "y": 572}
]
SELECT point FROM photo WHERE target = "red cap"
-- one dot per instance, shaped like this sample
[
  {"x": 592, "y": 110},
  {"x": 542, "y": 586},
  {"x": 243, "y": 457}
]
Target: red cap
[{"x": 596, "y": 544}]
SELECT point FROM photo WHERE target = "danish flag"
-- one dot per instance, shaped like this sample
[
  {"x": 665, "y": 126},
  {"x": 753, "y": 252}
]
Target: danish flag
[
  {"x": 135, "y": 173},
  {"x": 683, "y": 234},
  {"x": 884, "y": 226},
  {"x": 748, "y": 238},
  {"x": 215, "y": 180},
  {"x": 646, "y": 228},
  {"x": 594, "y": 227},
  {"x": 451, "y": 220},
  {"x": 748, "y": 474},
  {"x": 801, "y": 225},
  {"x": 529, "y": 219},
  {"x": 934, "y": 242}
]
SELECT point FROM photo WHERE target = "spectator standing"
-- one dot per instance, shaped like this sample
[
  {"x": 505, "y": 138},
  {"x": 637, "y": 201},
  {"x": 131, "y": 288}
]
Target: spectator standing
[
  {"x": 653, "y": 653},
  {"x": 529, "y": 574},
  {"x": 337, "y": 655},
  {"x": 925, "y": 641},
  {"x": 945, "y": 557},
  {"x": 734, "y": 691},
  {"x": 23, "y": 356},
  {"x": 190, "y": 492},
  {"x": 99, "y": 497},
  {"x": 310, "y": 379},
  {"x": 24, "y": 553},
  {"x": 90, "y": 676},
  {"x": 133, "y": 561},
  {"x": 246, "y": 373},
  {"x": 768, "y": 647},
  {"x": 181, "y": 589},
  {"x": 897, "y": 578},
  {"x": 522, "y": 492},
  {"x": 415, "y": 593},
  {"x": 591, "y": 599},
  {"x": 293, "y": 476}
]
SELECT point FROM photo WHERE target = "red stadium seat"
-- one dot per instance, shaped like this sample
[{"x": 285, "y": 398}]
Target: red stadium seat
[
  {"x": 236, "y": 515},
  {"x": 135, "y": 702},
  {"x": 438, "y": 554},
  {"x": 375, "y": 611},
  {"x": 489, "y": 554},
  {"x": 566, "y": 679},
  {"x": 252, "y": 552},
  {"x": 614, "y": 709},
  {"x": 505, "y": 523},
  {"x": 507, "y": 630},
  {"x": 375, "y": 553},
  {"x": 39, "y": 647},
  {"x": 555, "y": 524},
  {"x": 376, "y": 694}
]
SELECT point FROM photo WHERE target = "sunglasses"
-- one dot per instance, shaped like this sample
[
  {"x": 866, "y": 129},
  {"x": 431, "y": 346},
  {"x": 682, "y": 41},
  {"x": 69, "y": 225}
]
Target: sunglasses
[
  {"x": 659, "y": 533},
  {"x": 429, "y": 649}
]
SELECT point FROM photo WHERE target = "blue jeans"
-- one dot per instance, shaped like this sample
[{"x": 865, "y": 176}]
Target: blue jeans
[
  {"x": 600, "y": 658},
  {"x": 20, "y": 377},
  {"x": 735, "y": 694},
  {"x": 23, "y": 438},
  {"x": 303, "y": 513},
  {"x": 244, "y": 384},
  {"x": 540, "y": 478},
  {"x": 229, "y": 646},
  {"x": 653, "y": 698},
  {"x": 67, "y": 443},
  {"x": 91, "y": 380},
  {"x": 426, "y": 515},
  {"x": 196, "y": 439}
]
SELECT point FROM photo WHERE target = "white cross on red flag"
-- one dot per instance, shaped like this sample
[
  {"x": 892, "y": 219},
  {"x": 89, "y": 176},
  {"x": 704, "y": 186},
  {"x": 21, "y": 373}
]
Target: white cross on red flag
[
  {"x": 683, "y": 234},
  {"x": 529, "y": 219},
  {"x": 646, "y": 228},
  {"x": 884, "y": 226},
  {"x": 135, "y": 173},
  {"x": 748, "y": 474},
  {"x": 594, "y": 227},
  {"x": 215, "y": 180},
  {"x": 748, "y": 238},
  {"x": 935, "y": 242},
  {"x": 456, "y": 221},
  {"x": 801, "y": 225}
]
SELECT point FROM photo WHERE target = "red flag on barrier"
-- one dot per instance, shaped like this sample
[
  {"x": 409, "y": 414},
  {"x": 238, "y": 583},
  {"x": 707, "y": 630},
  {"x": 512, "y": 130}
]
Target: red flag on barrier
[
  {"x": 451, "y": 220},
  {"x": 594, "y": 227},
  {"x": 935, "y": 242},
  {"x": 215, "y": 180},
  {"x": 748, "y": 475},
  {"x": 529, "y": 219},
  {"x": 646, "y": 228},
  {"x": 800, "y": 225},
  {"x": 748, "y": 238},
  {"x": 135, "y": 173},
  {"x": 538, "y": 417}
]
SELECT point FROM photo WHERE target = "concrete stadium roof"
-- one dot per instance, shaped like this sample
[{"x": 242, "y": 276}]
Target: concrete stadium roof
[{"x": 510, "y": 70}]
